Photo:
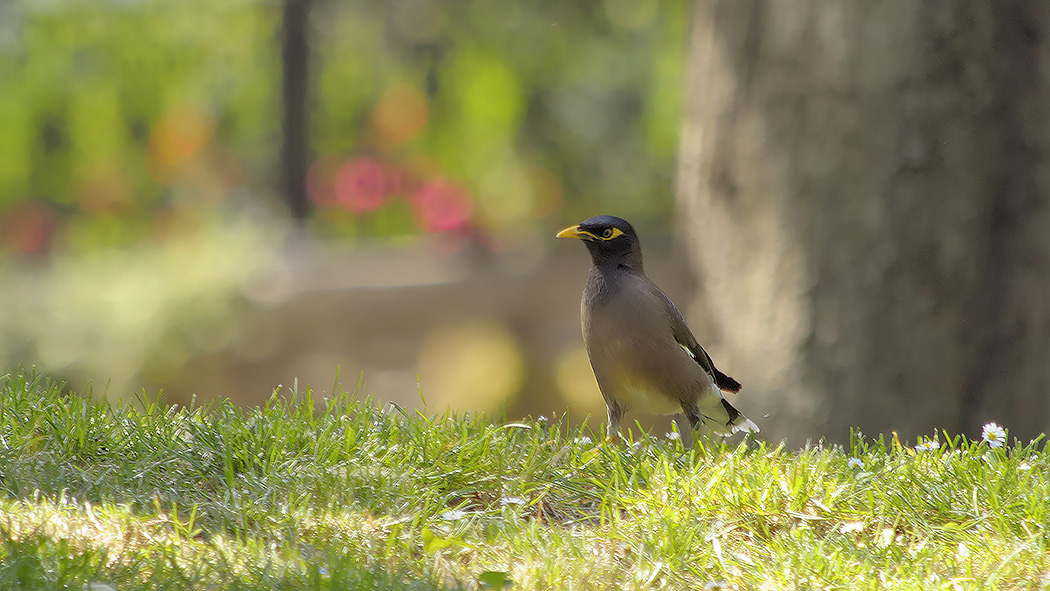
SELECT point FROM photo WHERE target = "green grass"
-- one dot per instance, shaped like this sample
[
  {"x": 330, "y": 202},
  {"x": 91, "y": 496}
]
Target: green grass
[{"x": 342, "y": 494}]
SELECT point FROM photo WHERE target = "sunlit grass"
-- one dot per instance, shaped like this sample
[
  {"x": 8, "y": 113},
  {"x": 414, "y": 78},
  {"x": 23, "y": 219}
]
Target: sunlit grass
[{"x": 343, "y": 494}]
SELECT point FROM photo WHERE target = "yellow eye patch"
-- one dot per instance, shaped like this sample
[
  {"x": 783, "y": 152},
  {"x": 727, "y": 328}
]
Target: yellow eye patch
[{"x": 582, "y": 234}]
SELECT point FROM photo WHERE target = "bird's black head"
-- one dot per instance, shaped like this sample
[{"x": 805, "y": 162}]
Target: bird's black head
[{"x": 610, "y": 239}]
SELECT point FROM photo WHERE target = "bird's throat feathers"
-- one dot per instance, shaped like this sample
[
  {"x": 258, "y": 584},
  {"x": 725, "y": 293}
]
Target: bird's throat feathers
[
  {"x": 616, "y": 260},
  {"x": 603, "y": 281}
]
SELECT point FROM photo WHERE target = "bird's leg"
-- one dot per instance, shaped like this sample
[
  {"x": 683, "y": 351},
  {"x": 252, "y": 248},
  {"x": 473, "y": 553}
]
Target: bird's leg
[
  {"x": 685, "y": 431},
  {"x": 612, "y": 430},
  {"x": 692, "y": 412}
]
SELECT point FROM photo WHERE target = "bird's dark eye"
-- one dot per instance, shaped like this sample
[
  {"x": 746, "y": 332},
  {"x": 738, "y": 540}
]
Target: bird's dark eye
[{"x": 608, "y": 233}]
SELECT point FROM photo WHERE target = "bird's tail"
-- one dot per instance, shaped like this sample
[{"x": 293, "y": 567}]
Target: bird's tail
[
  {"x": 725, "y": 383},
  {"x": 728, "y": 420}
]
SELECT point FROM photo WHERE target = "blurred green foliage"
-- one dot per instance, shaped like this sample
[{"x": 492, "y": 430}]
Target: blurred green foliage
[
  {"x": 122, "y": 120},
  {"x": 130, "y": 317}
]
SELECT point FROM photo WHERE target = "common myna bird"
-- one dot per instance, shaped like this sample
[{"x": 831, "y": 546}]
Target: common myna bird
[{"x": 643, "y": 355}]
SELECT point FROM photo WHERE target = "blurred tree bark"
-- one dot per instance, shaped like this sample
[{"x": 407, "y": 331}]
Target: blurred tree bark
[
  {"x": 867, "y": 189},
  {"x": 295, "y": 83}
]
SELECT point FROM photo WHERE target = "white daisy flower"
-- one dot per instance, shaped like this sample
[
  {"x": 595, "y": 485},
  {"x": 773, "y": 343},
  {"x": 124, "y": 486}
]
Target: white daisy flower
[
  {"x": 453, "y": 515},
  {"x": 851, "y": 527},
  {"x": 928, "y": 445},
  {"x": 855, "y": 463},
  {"x": 994, "y": 435}
]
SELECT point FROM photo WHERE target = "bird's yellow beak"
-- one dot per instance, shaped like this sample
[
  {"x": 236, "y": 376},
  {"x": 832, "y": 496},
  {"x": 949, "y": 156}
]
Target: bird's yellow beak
[{"x": 573, "y": 232}]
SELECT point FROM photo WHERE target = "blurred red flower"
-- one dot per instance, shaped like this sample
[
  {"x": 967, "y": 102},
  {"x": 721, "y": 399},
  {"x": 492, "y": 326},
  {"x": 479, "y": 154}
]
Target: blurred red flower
[
  {"x": 442, "y": 206},
  {"x": 361, "y": 185},
  {"x": 29, "y": 227}
]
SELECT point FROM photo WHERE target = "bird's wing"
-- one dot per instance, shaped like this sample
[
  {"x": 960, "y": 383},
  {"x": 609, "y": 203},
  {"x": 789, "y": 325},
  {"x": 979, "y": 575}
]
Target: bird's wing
[{"x": 685, "y": 338}]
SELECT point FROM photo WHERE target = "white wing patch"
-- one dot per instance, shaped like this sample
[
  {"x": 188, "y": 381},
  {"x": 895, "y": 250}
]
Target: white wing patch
[
  {"x": 714, "y": 386},
  {"x": 687, "y": 351}
]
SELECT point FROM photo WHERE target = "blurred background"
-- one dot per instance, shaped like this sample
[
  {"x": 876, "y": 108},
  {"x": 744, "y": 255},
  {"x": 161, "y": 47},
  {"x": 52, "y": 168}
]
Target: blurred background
[{"x": 224, "y": 198}]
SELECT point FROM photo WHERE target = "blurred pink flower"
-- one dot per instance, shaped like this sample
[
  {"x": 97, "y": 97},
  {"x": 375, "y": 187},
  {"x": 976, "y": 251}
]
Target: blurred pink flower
[
  {"x": 361, "y": 185},
  {"x": 441, "y": 206},
  {"x": 29, "y": 227}
]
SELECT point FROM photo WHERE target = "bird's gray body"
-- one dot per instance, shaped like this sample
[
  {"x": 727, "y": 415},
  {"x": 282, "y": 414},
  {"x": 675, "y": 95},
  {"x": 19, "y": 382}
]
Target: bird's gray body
[{"x": 643, "y": 354}]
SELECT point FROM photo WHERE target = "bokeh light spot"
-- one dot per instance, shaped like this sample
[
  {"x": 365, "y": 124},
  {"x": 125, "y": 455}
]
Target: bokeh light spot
[
  {"x": 361, "y": 185},
  {"x": 177, "y": 136},
  {"x": 400, "y": 116},
  {"x": 505, "y": 193},
  {"x": 474, "y": 367},
  {"x": 442, "y": 206},
  {"x": 490, "y": 102},
  {"x": 572, "y": 373}
]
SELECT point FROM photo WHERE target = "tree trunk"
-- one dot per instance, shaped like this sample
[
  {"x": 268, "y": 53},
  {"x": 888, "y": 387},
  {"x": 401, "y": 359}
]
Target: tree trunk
[
  {"x": 867, "y": 193},
  {"x": 295, "y": 84}
]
